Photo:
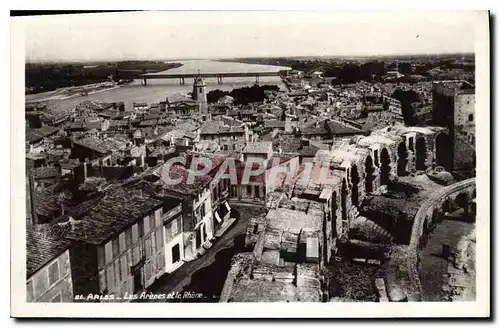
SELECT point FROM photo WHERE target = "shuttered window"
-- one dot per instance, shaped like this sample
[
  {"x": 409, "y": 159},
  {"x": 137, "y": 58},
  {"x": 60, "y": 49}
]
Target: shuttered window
[{"x": 53, "y": 273}]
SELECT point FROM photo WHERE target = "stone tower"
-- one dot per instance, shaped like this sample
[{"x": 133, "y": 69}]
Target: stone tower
[
  {"x": 200, "y": 94},
  {"x": 200, "y": 90}
]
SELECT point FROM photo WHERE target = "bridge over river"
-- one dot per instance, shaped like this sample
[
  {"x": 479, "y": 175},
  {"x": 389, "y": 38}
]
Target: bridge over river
[{"x": 219, "y": 76}]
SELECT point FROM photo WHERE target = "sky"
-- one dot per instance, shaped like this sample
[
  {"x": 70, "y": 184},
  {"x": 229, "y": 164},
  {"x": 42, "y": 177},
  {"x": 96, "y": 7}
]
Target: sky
[{"x": 210, "y": 34}]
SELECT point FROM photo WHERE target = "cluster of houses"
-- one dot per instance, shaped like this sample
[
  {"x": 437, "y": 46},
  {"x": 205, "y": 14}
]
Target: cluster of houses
[{"x": 101, "y": 219}]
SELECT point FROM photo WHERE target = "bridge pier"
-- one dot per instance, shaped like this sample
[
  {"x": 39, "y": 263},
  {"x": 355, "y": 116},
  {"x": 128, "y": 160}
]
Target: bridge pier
[
  {"x": 144, "y": 81},
  {"x": 219, "y": 79},
  {"x": 182, "y": 81},
  {"x": 257, "y": 79}
]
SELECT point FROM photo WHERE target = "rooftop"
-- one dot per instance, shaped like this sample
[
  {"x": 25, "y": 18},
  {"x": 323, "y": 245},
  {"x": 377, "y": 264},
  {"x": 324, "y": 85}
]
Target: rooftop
[
  {"x": 43, "y": 244},
  {"x": 262, "y": 147},
  {"x": 119, "y": 209}
]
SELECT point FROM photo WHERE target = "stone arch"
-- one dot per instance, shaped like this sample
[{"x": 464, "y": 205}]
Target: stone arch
[
  {"x": 402, "y": 159},
  {"x": 421, "y": 152},
  {"x": 369, "y": 169},
  {"x": 354, "y": 176},
  {"x": 385, "y": 167},
  {"x": 444, "y": 151}
]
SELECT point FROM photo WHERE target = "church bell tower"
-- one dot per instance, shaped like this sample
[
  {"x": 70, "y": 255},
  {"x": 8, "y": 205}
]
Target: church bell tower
[
  {"x": 199, "y": 89},
  {"x": 200, "y": 94}
]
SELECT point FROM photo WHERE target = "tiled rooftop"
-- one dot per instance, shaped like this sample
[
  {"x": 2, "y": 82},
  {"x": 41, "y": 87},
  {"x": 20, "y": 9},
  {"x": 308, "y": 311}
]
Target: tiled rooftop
[
  {"x": 44, "y": 243},
  {"x": 119, "y": 209},
  {"x": 258, "y": 147}
]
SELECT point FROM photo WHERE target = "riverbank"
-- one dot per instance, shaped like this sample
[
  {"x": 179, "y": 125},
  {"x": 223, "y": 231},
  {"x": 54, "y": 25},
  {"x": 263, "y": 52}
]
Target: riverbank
[{"x": 71, "y": 92}]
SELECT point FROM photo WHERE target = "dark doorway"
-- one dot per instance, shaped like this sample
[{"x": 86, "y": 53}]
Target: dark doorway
[
  {"x": 421, "y": 154},
  {"x": 402, "y": 159},
  {"x": 137, "y": 281},
  {"x": 369, "y": 174},
  {"x": 343, "y": 200},
  {"x": 385, "y": 168},
  {"x": 257, "y": 191},
  {"x": 354, "y": 182},
  {"x": 334, "y": 215},
  {"x": 198, "y": 237},
  {"x": 444, "y": 152}
]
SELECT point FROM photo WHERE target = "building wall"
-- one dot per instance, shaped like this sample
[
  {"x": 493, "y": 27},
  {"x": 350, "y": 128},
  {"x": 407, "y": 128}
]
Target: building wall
[
  {"x": 465, "y": 112},
  {"x": 40, "y": 288},
  {"x": 173, "y": 237},
  {"x": 227, "y": 141},
  {"x": 114, "y": 263}
]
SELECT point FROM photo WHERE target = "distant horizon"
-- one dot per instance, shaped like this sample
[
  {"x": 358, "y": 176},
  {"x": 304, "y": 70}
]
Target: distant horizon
[
  {"x": 404, "y": 55},
  {"x": 212, "y": 35}
]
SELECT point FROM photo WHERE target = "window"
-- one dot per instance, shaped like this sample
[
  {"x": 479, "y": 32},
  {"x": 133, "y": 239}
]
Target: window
[
  {"x": 410, "y": 144},
  {"x": 176, "y": 254},
  {"x": 375, "y": 154},
  {"x": 56, "y": 299},
  {"x": 255, "y": 228},
  {"x": 159, "y": 238},
  {"x": 148, "y": 248},
  {"x": 53, "y": 273},
  {"x": 471, "y": 117},
  {"x": 128, "y": 237},
  {"x": 174, "y": 226},
  {"x": 102, "y": 280},
  {"x": 100, "y": 257},
  {"x": 202, "y": 210},
  {"x": 118, "y": 272},
  {"x": 140, "y": 227},
  {"x": 201, "y": 90},
  {"x": 29, "y": 291},
  {"x": 151, "y": 222},
  {"x": 249, "y": 190},
  {"x": 116, "y": 247},
  {"x": 110, "y": 277}
]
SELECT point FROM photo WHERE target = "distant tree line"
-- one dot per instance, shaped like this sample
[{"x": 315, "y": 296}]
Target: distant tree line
[
  {"x": 242, "y": 96},
  {"x": 48, "y": 77},
  {"x": 352, "y": 71}
]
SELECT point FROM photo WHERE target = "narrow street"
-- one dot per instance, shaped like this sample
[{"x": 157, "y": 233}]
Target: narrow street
[
  {"x": 435, "y": 270},
  {"x": 206, "y": 274}
]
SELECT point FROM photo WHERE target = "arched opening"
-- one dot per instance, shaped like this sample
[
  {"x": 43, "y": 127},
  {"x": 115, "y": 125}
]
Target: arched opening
[
  {"x": 354, "y": 183},
  {"x": 444, "y": 152},
  {"x": 384, "y": 168},
  {"x": 435, "y": 217},
  {"x": 334, "y": 215},
  {"x": 402, "y": 159},
  {"x": 421, "y": 154},
  {"x": 369, "y": 174},
  {"x": 462, "y": 200},
  {"x": 343, "y": 200},
  {"x": 446, "y": 206}
]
